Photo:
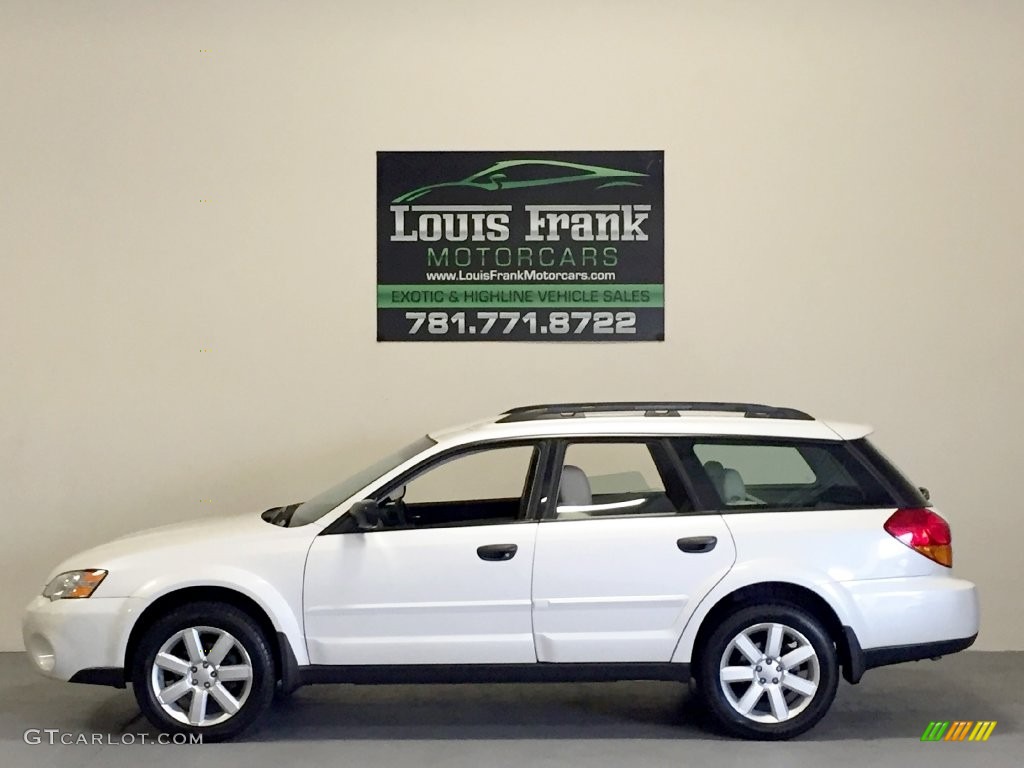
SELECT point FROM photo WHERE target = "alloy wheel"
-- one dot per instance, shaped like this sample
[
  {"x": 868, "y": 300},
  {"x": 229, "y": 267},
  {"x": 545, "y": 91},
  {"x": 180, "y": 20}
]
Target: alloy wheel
[
  {"x": 769, "y": 672},
  {"x": 201, "y": 676}
]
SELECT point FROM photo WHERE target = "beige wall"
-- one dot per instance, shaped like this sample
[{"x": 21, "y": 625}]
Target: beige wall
[{"x": 844, "y": 233}]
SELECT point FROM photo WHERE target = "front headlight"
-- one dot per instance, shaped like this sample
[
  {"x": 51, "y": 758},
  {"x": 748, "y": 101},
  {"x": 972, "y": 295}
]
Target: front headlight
[{"x": 74, "y": 584}]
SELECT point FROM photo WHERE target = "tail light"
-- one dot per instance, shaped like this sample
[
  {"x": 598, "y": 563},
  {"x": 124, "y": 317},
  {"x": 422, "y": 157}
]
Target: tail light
[{"x": 923, "y": 531}]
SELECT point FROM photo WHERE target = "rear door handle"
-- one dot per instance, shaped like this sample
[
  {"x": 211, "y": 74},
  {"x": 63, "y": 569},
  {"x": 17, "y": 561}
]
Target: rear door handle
[
  {"x": 697, "y": 543},
  {"x": 497, "y": 552}
]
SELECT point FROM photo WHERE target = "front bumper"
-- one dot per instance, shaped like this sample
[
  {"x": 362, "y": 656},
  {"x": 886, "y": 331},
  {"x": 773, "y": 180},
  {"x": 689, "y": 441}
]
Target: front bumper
[{"x": 65, "y": 637}]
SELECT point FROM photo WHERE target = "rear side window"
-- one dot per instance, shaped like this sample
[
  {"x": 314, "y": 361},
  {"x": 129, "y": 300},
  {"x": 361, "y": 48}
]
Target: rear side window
[
  {"x": 784, "y": 474},
  {"x": 618, "y": 478},
  {"x": 760, "y": 464}
]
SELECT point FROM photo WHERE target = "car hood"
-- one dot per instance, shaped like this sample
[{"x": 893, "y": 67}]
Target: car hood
[
  {"x": 202, "y": 526},
  {"x": 188, "y": 535}
]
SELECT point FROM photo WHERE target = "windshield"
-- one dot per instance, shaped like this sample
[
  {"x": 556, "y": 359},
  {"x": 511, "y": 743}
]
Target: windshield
[{"x": 324, "y": 502}]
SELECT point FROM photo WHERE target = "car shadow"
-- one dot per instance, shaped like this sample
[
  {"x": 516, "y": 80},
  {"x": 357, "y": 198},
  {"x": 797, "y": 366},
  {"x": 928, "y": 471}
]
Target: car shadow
[
  {"x": 896, "y": 703},
  {"x": 504, "y": 711}
]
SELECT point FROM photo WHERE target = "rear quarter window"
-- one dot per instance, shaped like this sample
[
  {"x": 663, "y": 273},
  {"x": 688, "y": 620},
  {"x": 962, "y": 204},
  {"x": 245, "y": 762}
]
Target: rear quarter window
[
  {"x": 748, "y": 473},
  {"x": 905, "y": 492}
]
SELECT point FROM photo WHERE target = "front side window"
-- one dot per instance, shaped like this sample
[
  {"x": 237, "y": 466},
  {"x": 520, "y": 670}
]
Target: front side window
[
  {"x": 487, "y": 486},
  {"x": 613, "y": 479},
  {"x": 324, "y": 502},
  {"x": 786, "y": 474}
]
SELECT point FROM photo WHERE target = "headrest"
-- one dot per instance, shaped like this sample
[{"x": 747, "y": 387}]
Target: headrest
[
  {"x": 715, "y": 470},
  {"x": 733, "y": 489},
  {"x": 574, "y": 488}
]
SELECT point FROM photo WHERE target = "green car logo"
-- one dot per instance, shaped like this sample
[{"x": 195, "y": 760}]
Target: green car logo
[{"x": 519, "y": 174}]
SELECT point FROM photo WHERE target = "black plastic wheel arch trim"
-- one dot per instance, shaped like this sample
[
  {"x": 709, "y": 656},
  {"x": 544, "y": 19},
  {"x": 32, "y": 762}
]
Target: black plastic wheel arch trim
[
  {"x": 289, "y": 671},
  {"x": 851, "y": 657},
  {"x": 115, "y": 676},
  {"x": 112, "y": 676},
  {"x": 857, "y": 660},
  {"x": 896, "y": 654}
]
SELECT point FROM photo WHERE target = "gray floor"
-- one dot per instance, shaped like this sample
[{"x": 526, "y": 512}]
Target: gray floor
[{"x": 878, "y": 722}]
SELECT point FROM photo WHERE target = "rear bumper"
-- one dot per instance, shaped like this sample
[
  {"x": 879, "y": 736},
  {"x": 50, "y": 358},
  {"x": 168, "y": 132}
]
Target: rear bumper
[
  {"x": 908, "y": 619},
  {"x": 911, "y": 611}
]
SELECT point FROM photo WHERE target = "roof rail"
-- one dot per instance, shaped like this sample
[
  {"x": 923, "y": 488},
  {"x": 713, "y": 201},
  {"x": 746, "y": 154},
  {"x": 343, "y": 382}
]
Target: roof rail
[{"x": 574, "y": 410}]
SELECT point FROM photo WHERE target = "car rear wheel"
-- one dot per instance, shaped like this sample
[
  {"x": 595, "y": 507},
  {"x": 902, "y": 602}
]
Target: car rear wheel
[
  {"x": 768, "y": 672},
  {"x": 205, "y": 668}
]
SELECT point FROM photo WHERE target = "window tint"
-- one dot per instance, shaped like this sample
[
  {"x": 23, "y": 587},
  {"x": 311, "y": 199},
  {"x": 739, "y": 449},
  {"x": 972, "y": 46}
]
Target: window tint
[
  {"x": 906, "y": 493},
  {"x": 324, "y": 502},
  {"x": 771, "y": 464},
  {"x": 610, "y": 479},
  {"x": 496, "y": 473},
  {"x": 482, "y": 487},
  {"x": 787, "y": 474}
]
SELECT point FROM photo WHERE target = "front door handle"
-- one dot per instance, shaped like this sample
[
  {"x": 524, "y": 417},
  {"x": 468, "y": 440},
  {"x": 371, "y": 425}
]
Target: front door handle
[
  {"x": 497, "y": 552},
  {"x": 697, "y": 543}
]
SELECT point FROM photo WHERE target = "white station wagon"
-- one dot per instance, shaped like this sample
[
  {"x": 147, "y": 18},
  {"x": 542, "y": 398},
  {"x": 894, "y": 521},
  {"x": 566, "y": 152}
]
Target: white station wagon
[{"x": 753, "y": 549}]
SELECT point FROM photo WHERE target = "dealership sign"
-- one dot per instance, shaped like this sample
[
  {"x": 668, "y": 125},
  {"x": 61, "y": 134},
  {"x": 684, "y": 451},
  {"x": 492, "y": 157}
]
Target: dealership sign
[{"x": 520, "y": 246}]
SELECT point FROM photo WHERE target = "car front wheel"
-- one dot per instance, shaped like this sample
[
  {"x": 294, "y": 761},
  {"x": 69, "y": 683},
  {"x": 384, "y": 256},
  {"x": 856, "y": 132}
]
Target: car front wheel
[
  {"x": 205, "y": 668},
  {"x": 768, "y": 672}
]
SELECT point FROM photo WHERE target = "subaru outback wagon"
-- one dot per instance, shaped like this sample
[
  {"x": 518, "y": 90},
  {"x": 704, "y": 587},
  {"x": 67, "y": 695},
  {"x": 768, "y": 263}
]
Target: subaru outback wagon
[{"x": 755, "y": 550}]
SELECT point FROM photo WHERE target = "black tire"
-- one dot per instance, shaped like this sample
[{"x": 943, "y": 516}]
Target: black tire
[
  {"x": 222, "y": 617},
  {"x": 714, "y": 691}
]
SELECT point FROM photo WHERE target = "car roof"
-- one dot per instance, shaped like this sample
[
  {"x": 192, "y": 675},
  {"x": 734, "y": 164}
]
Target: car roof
[{"x": 598, "y": 425}]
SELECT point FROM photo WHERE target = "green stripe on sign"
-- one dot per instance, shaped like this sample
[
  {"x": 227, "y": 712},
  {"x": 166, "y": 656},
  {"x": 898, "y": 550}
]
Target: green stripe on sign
[{"x": 488, "y": 295}]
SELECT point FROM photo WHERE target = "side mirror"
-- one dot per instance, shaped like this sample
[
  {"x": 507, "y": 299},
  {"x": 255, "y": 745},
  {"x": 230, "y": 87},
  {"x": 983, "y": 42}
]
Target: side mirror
[
  {"x": 367, "y": 515},
  {"x": 497, "y": 179},
  {"x": 926, "y": 493}
]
